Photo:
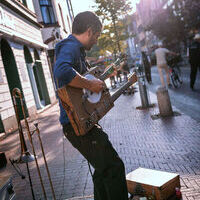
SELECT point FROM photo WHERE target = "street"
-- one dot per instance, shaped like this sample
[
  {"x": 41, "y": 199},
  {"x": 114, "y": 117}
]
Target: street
[
  {"x": 46, "y": 46},
  {"x": 170, "y": 144},
  {"x": 183, "y": 98}
]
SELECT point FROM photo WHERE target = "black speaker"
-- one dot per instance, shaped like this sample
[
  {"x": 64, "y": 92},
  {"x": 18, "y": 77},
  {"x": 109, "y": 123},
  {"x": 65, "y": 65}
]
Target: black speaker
[{"x": 3, "y": 160}]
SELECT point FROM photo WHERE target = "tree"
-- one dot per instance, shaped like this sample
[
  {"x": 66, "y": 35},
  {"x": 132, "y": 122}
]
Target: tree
[
  {"x": 174, "y": 24},
  {"x": 112, "y": 11},
  {"x": 189, "y": 13},
  {"x": 108, "y": 41},
  {"x": 168, "y": 27}
]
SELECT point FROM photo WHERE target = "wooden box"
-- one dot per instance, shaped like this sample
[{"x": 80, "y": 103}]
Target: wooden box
[{"x": 161, "y": 184}]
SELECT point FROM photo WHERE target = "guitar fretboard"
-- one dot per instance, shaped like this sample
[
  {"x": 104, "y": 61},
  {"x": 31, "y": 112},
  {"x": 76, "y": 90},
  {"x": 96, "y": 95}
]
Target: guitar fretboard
[
  {"x": 120, "y": 90},
  {"x": 111, "y": 69}
]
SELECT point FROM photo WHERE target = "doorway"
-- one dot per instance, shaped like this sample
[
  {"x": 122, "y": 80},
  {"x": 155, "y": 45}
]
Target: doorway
[
  {"x": 12, "y": 75},
  {"x": 29, "y": 65},
  {"x": 40, "y": 80}
]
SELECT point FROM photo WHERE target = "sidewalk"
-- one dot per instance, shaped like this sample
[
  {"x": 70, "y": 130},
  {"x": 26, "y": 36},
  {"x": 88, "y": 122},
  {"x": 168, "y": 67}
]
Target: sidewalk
[{"x": 171, "y": 144}]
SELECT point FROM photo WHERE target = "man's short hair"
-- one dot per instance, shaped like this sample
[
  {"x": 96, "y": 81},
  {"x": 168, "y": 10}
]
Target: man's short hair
[{"x": 85, "y": 20}]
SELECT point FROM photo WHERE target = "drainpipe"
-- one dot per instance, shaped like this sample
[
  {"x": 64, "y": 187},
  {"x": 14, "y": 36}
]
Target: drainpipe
[{"x": 71, "y": 12}]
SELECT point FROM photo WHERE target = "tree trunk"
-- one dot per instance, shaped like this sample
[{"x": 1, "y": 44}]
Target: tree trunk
[{"x": 117, "y": 37}]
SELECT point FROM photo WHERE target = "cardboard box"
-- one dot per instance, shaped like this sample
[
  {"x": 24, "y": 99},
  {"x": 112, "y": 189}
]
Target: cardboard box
[{"x": 161, "y": 184}]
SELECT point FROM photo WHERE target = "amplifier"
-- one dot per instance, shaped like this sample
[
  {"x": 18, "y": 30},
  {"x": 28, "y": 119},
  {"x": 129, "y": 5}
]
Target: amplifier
[{"x": 6, "y": 188}]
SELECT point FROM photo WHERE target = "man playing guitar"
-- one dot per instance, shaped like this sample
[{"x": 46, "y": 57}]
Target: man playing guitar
[{"x": 109, "y": 175}]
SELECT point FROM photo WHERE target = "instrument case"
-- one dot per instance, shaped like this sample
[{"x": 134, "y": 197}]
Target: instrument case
[{"x": 162, "y": 185}]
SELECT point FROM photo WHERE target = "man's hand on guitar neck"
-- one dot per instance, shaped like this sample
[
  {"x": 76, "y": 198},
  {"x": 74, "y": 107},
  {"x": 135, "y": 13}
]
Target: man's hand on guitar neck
[{"x": 95, "y": 85}]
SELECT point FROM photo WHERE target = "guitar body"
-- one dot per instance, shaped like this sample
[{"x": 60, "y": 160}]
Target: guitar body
[
  {"x": 83, "y": 110},
  {"x": 82, "y": 114}
]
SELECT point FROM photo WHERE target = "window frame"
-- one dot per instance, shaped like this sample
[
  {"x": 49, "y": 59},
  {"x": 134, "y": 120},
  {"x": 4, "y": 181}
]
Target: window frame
[{"x": 48, "y": 12}]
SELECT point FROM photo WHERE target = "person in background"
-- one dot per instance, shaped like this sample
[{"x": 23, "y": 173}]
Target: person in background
[
  {"x": 194, "y": 58},
  {"x": 118, "y": 76},
  {"x": 161, "y": 62},
  {"x": 147, "y": 67},
  {"x": 109, "y": 171},
  {"x": 125, "y": 68},
  {"x": 113, "y": 82}
]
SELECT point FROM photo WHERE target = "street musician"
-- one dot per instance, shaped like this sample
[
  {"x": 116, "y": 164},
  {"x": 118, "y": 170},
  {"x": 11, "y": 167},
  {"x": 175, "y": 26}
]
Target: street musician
[{"x": 109, "y": 175}]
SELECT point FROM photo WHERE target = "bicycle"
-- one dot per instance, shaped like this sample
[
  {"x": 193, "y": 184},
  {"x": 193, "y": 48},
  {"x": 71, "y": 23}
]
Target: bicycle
[{"x": 175, "y": 71}]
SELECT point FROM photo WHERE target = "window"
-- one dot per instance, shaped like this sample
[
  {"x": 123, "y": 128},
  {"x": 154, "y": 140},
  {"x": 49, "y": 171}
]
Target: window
[
  {"x": 23, "y": 2},
  {"x": 69, "y": 23},
  {"x": 47, "y": 11},
  {"x": 63, "y": 21}
]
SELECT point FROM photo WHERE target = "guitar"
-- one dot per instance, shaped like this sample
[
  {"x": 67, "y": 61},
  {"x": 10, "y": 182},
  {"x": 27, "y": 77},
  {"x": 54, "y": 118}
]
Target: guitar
[
  {"x": 110, "y": 69},
  {"x": 82, "y": 113},
  {"x": 95, "y": 97}
]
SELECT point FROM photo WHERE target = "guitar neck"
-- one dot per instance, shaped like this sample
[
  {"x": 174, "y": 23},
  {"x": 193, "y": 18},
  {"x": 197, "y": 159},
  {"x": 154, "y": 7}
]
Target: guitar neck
[
  {"x": 116, "y": 95},
  {"x": 111, "y": 69},
  {"x": 106, "y": 74}
]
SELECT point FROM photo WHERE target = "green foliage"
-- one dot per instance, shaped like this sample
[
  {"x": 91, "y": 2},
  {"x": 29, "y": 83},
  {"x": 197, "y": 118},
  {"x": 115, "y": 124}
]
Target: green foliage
[
  {"x": 108, "y": 40},
  {"x": 112, "y": 9},
  {"x": 115, "y": 32}
]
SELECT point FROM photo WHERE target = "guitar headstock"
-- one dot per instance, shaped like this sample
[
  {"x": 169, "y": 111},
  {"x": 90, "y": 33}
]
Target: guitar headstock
[
  {"x": 132, "y": 78},
  {"x": 118, "y": 62}
]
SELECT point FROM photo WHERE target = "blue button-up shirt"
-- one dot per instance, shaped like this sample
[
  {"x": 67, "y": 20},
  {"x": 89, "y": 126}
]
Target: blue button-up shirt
[{"x": 70, "y": 59}]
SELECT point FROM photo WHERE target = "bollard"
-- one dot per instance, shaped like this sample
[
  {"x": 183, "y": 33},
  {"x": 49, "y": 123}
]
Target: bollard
[
  {"x": 164, "y": 103},
  {"x": 143, "y": 91}
]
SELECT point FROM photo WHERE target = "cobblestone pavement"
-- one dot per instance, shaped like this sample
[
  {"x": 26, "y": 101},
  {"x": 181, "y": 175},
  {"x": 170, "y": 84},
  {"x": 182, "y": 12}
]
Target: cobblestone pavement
[
  {"x": 170, "y": 144},
  {"x": 183, "y": 97}
]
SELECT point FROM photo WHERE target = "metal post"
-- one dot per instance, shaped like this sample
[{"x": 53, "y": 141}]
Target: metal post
[
  {"x": 143, "y": 91},
  {"x": 142, "y": 87}
]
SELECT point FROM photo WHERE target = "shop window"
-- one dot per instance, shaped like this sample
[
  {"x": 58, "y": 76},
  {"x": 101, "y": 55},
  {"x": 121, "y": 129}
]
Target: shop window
[{"x": 47, "y": 11}]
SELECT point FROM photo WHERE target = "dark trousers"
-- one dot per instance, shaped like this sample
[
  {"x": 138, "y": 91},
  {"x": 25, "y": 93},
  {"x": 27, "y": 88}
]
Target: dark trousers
[
  {"x": 109, "y": 175},
  {"x": 148, "y": 74},
  {"x": 193, "y": 73}
]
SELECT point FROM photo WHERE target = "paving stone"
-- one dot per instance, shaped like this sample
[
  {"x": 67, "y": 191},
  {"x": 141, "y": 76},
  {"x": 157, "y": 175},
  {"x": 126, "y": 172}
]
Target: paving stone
[{"x": 170, "y": 144}]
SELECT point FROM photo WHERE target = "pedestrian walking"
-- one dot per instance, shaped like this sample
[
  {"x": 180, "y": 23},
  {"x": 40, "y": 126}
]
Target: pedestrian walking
[
  {"x": 118, "y": 76},
  {"x": 125, "y": 68},
  {"x": 109, "y": 171},
  {"x": 113, "y": 82},
  {"x": 194, "y": 58},
  {"x": 161, "y": 62},
  {"x": 147, "y": 67}
]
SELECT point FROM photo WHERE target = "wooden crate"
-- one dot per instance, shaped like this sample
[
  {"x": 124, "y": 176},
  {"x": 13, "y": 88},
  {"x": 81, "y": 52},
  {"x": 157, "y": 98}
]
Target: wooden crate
[{"x": 161, "y": 183}]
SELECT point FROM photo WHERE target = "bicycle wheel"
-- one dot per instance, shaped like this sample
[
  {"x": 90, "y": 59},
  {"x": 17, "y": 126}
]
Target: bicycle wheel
[
  {"x": 175, "y": 79},
  {"x": 178, "y": 72}
]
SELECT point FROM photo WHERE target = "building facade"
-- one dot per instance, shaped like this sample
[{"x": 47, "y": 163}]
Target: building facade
[
  {"x": 133, "y": 40},
  {"x": 56, "y": 16},
  {"x": 23, "y": 63},
  {"x": 146, "y": 11}
]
